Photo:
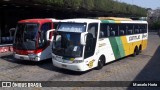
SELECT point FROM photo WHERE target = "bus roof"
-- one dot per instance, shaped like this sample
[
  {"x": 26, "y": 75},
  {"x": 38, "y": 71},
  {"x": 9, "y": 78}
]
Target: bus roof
[
  {"x": 120, "y": 20},
  {"x": 104, "y": 20},
  {"x": 115, "y": 18},
  {"x": 38, "y": 20},
  {"x": 81, "y": 20},
  {"x": 133, "y": 21}
]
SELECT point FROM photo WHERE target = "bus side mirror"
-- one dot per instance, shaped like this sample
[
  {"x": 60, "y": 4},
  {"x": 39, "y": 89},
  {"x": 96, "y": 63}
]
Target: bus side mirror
[
  {"x": 48, "y": 33},
  {"x": 12, "y": 31},
  {"x": 83, "y": 38},
  {"x": 12, "y": 34}
]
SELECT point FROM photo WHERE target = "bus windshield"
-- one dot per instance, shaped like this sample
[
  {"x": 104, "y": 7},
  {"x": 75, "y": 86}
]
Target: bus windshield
[
  {"x": 67, "y": 39},
  {"x": 67, "y": 44},
  {"x": 26, "y": 35}
]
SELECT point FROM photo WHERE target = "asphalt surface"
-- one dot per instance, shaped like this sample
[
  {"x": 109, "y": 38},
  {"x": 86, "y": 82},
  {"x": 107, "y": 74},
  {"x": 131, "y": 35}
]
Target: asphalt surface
[{"x": 144, "y": 67}]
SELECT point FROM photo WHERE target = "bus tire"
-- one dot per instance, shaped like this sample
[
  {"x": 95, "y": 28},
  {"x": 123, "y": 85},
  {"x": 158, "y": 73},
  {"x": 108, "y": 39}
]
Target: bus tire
[
  {"x": 101, "y": 63},
  {"x": 140, "y": 48},
  {"x": 136, "y": 51}
]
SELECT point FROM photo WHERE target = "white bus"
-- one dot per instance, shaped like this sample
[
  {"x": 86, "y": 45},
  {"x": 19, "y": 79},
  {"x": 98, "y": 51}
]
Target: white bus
[{"x": 83, "y": 44}]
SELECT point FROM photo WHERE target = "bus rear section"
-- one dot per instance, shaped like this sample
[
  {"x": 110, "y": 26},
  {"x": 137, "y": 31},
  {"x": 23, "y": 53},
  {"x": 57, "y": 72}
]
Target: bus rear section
[
  {"x": 83, "y": 44},
  {"x": 30, "y": 41},
  {"x": 121, "y": 38}
]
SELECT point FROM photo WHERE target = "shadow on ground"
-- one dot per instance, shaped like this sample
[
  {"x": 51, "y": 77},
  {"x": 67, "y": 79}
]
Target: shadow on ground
[
  {"x": 45, "y": 64},
  {"x": 151, "y": 72}
]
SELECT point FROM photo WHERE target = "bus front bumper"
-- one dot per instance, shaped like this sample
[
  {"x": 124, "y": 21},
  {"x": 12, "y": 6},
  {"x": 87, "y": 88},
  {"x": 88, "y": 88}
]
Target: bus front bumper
[
  {"x": 71, "y": 66},
  {"x": 26, "y": 57}
]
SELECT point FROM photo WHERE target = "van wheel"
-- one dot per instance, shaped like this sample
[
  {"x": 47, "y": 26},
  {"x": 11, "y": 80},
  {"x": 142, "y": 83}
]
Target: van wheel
[{"x": 100, "y": 64}]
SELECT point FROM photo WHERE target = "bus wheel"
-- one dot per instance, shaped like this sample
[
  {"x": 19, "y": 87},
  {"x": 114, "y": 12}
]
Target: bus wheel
[
  {"x": 101, "y": 63},
  {"x": 140, "y": 48},
  {"x": 136, "y": 51}
]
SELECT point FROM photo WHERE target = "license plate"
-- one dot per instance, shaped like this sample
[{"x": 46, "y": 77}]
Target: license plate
[
  {"x": 59, "y": 58},
  {"x": 64, "y": 65}
]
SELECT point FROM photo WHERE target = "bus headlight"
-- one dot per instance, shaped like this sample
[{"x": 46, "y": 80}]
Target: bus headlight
[{"x": 77, "y": 61}]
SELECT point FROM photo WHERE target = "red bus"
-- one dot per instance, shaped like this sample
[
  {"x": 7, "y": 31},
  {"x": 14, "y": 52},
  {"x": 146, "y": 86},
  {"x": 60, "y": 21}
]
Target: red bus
[{"x": 30, "y": 42}]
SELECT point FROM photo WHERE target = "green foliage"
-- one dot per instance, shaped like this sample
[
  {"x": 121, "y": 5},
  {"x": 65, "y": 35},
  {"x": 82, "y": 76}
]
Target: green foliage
[
  {"x": 87, "y": 4},
  {"x": 74, "y": 4},
  {"x": 156, "y": 25},
  {"x": 50, "y": 2},
  {"x": 105, "y": 6}
]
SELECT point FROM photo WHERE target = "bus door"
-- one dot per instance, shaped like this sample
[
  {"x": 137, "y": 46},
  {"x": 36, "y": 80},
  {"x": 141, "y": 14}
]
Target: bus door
[
  {"x": 91, "y": 41},
  {"x": 43, "y": 43}
]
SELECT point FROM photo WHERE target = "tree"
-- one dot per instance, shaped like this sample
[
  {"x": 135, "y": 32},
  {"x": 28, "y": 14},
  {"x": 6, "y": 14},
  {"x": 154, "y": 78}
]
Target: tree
[{"x": 106, "y": 6}]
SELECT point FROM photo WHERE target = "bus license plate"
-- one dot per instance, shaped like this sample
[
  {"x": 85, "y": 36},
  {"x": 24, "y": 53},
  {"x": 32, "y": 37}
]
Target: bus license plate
[
  {"x": 59, "y": 58},
  {"x": 63, "y": 65}
]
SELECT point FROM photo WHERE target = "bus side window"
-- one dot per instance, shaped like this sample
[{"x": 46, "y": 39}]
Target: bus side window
[
  {"x": 140, "y": 30},
  {"x": 122, "y": 29},
  {"x": 113, "y": 29},
  {"x": 104, "y": 31},
  {"x": 113, "y": 33},
  {"x": 130, "y": 32},
  {"x": 55, "y": 25},
  {"x": 101, "y": 34},
  {"x": 143, "y": 28},
  {"x": 93, "y": 29},
  {"x": 44, "y": 28},
  {"x": 121, "y": 32},
  {"x": 108, "y": 31},
  {"x": 129, "y": 29},
  {"x": 136, "y": 29}
]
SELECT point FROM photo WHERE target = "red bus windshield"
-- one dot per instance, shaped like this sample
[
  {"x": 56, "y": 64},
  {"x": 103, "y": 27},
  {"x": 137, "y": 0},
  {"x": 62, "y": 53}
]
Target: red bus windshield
[{"x": 25, "y": 37}]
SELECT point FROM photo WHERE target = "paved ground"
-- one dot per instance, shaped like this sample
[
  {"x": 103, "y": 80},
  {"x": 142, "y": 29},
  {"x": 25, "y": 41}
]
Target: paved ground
[{"x": 144, "y": 67}]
